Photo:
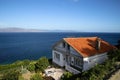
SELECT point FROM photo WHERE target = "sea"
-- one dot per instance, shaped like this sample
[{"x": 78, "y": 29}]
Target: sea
[{"x": 32, "y": 46}]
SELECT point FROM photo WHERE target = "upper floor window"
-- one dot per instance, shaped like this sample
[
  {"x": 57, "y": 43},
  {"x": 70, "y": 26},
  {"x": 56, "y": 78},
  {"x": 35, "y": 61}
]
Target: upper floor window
[
  {"x": 77, "y": 62},
  {"x": 68, "y": 47},
  {"x": 57, "y": 56},
  {"x": 63, "y": 44}
]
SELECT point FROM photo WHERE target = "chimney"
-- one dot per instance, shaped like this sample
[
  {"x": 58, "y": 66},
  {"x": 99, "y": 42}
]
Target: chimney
[{"x": 98, "y": 45}]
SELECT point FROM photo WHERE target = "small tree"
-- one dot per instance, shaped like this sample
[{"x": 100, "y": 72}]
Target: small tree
[
  {"x": 31, "y": 67},
  {"x": 42, "y": 64}
]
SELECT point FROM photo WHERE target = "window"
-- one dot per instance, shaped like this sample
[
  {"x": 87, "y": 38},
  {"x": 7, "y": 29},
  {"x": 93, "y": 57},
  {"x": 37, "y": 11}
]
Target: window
[
  {"x": 68, "y": 47},
  {"x": 77, "y": 62},
  {"x": 57, "y": 56},
  {"x": 63, "y": 44}
]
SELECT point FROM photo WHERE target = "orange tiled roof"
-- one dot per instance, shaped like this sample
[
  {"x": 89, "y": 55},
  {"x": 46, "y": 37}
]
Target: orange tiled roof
[{"x": 86, "y": 46}]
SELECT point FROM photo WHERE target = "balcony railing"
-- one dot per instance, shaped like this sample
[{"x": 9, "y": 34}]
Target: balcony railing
[{"x": 63, "y": 50}]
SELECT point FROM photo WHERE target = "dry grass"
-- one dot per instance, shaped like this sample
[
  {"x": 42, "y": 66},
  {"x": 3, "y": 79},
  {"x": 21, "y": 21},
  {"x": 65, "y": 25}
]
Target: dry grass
[{"x": 27, "y": 75}]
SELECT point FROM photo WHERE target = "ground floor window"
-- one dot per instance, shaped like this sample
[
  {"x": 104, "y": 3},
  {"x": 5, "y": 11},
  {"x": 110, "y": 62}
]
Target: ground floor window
[
  {"x": 77, "y": 62},
  {"x": 57, "y": 56}
]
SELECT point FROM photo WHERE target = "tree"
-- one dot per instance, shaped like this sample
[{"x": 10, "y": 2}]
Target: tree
[{"x": 41, "y": 64}]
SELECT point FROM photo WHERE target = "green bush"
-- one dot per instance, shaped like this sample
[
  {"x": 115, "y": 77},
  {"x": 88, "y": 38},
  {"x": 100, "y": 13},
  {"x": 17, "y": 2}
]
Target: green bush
[
  {"x": 77, "y": 79},
  {"x": 11, "y": 75},
  {"x": 26, "y": 62},
  {"x": 36, "y": 77},
  {"x": 31, "y": 67},
  {"x": 14, "y": 65},
  {"x": 42, "y": 64},
  {"x": 114, "y": 54},
  {"x": 21, "y": 78},
  {"x": 66, "y": 76}
]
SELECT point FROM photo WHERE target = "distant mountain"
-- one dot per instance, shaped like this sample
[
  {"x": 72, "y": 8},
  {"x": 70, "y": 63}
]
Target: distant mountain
[
  {"x": 62, "y": 31},
  {"x": 19, "y": 30},
  {"x": 14, "y": 29}
]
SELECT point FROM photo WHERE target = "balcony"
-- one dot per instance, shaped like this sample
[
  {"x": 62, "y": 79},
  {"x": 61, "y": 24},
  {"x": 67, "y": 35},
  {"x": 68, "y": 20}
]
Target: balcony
[{"x": 62, "y": 50}]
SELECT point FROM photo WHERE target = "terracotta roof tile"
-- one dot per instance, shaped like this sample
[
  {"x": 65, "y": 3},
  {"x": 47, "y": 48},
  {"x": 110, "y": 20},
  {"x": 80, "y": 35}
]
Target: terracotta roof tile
[{"x": 87, "y": 46}]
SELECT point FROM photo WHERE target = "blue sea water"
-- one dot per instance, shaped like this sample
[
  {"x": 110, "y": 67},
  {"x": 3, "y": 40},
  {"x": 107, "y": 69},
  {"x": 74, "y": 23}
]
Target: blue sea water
[{"x": 19, "y": 46}]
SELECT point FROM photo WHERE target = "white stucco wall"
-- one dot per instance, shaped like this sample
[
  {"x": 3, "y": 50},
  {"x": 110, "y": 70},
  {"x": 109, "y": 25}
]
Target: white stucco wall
[
  {"x": 89, "y": 62},
  {"x": 59, "y": 62},
  {"x": 62, "y": 62}
]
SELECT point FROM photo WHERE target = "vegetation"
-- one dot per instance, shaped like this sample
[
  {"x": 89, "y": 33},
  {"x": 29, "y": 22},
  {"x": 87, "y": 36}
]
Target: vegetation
[
  {"x": 36, "y": 76},
  {"x": 14, "y": 71},
  {"x": 66, "y": 76},
  {"x": 41, "y": 64},
  {"x": 11, "y": 75},
  {"x": 21, "y": 78},
  {"x": 14, "y": 65},
  {"x": 114, "y": 55},
  {"x": 31, "y": 67}
]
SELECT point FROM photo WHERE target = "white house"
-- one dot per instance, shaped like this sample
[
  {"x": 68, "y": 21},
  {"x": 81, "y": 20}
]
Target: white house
[{"x": 80, "y": 54}]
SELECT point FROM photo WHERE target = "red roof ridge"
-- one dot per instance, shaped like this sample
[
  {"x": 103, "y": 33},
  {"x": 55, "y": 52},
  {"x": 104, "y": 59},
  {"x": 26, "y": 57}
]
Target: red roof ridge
[{"x": 80, "y": 37}]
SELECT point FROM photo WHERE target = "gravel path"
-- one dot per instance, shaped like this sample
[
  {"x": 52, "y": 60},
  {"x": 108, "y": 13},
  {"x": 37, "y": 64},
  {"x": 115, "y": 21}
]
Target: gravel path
[
  {"x": 55, "y": 73},
  {"x": 116, "y": 76}
]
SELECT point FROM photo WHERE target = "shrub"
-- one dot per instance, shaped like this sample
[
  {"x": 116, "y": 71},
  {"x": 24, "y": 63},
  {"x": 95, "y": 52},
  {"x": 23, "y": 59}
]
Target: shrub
[
  {"x": 11, "y": 75},
  {"x": 31, "y": 67},
  {"x": 114, "y": 54},
  {"x": 41, "y": 64},
  {"x": 16, "y": 64},
  {"x": 77, "y": 79},
  {"x": 36, "y": 77},
  {"x": 66, "y": 76},
  {"x": 26, "y": 62},
  {"x": 21, "y": 78}
]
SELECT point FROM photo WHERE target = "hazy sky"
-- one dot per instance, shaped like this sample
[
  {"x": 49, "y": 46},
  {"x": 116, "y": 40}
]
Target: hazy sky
[{"x": 79, "y": 15}]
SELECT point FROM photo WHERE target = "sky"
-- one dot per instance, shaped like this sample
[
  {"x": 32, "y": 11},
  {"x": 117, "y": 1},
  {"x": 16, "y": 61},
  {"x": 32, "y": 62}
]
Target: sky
[{"x": 78, "y": 15}]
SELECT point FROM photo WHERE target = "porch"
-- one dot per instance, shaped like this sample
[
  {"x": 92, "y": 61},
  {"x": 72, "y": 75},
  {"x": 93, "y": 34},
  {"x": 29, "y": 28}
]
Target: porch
[{"x": 71, "y": 69}]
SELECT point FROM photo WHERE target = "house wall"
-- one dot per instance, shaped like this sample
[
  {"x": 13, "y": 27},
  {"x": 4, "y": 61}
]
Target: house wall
[
  {"x": 60, "y": 61},
  {"x": 89, "y": 62},
  {"x": 72, "y": 55}
]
